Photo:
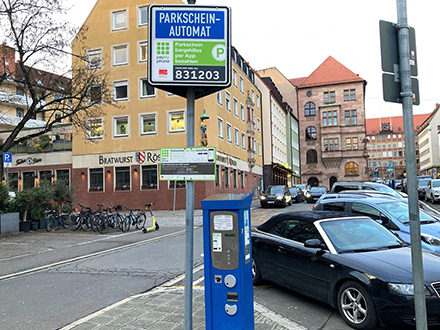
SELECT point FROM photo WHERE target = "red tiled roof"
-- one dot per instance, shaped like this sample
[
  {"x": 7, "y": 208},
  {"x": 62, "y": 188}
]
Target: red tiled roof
[
  {"x": 330, "y": 72},
  {"x": 395, "y": 123},
  {"x": 297, "y": 81}
]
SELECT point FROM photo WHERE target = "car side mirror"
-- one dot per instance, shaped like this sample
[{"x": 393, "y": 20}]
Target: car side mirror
[{"x": 313, "y": 243}]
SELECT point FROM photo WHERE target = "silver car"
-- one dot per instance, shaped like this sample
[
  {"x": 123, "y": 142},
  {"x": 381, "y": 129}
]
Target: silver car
[{"x": 432, "y": 191}]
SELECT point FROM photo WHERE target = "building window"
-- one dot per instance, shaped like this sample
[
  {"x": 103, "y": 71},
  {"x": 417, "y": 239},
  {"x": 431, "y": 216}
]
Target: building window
[
  {"x": 242, "y": 179},
  {"x": 228, "y": 101},
  {"x": 234, "y": 77},
  {"x": 309, "y": 109},
  {"x": 177, "y": 122},
  {"x": 351, "y": 168},
  {"x": 96, "y": 93},
  {"x": 95, "y": 59},
  {"x": 58, "y": 117},
  {"x": 310, "y": 133},
  {"x": 63, "y": 175},
  {"x": 217, "y": 175},
  {"x": 258, "y": 101},
  {"x": 235, "y": 107},
  {"x": 258, "y": 125},
  {"x": 143, "y": 15},
  {"x": 331, "y": 144},
  {"x": 346, "y": 95},
  {"x": 178, "y": 184},
  {"x": 143, "y": 51},
  {"x": 226, "y": 173},
  {"x": 148, "y": 123},
  {"x": 348, "y": 143},
  {"x": 259, "y": 149},
  {"x": 237, "y": 137},
  {"x": 149, "y": 177},
  {"x": 119, "y": 20},
  {"x": 45, "y": 177},
  {"x": 220, "y": 97},
  {"x": 28, "y": 180},
  {"x": 228, "y": 132},
  {"x": 19, "y": 112},
  {"x": 350, "y": 117},
  {"x": 122, "y": 178},
  {"x": 120, "y": 90},
  {"x": 355, "y": 143},
  {"x": 96, "y": 179},
  {"x": 19, "y": 91},
  {"x": 241, "y": 85},
  {"x": 121, "y": 126},
  {"x": 311, "y": 156},
  {"x": 329, "y": 118},
  {"x": 243, "y": 140},
  {"x": 146, "y": 89},
  {"x": 13, "y": 181},
  {"x": 95, "y": 129},
  {"x": 220, "y": 127},
  {"x": 242, "y": 112},
  {"x": 120, "y": 55},
  {"x": 329, "y": 97},
  {"x": 352, "y": 94}
]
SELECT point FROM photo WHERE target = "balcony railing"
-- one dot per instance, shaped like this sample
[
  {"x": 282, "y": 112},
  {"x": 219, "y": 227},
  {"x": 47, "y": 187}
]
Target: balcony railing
[{"x": 63, "y": 145}]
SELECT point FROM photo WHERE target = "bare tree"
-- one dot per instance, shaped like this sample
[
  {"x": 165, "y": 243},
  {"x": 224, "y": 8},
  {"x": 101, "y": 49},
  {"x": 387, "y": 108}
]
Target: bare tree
[{"x": 41, "y": 41}]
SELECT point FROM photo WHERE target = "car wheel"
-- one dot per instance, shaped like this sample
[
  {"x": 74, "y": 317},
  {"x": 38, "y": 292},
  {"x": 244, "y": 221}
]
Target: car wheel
[
  {"x": 356, "y": 306},
  {"x": 256, "y": 275}
]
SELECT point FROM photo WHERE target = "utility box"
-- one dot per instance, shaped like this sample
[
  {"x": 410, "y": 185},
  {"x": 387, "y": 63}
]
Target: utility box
[{"x": 229, "y": 295}]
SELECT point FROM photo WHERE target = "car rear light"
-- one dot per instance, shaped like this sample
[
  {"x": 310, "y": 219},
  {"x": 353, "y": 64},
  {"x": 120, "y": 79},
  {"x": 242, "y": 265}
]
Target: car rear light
[{"x": 314, "y": 207}]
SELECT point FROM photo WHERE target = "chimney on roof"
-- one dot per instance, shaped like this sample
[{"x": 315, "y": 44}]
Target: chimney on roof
[{"x": 7, "y": 60}]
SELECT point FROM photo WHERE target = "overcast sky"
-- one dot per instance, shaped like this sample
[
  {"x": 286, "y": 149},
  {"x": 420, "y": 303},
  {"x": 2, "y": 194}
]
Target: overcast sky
[{"x": 296, "y": 36}]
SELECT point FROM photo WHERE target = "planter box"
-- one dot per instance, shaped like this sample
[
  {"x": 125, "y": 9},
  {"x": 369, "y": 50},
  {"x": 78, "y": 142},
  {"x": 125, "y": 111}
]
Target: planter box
[
  {"x": 42, "y": 223},
  {"x": 35, "y": 225},
  {"x": 25, "y": 226},
  {"x": 9, "y": 222}
]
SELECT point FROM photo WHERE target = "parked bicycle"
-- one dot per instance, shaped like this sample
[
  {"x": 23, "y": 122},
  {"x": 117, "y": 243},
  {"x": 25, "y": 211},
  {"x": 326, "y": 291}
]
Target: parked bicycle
[{"x": 55, "y": 218}]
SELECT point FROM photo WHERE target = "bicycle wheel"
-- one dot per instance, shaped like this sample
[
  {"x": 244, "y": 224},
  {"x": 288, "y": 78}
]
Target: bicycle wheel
[
  {"x": 74, "y": 222},
  {"x": 119, "y": 220},
  {"x": 140, "y": 221},
  {"x": 94, "y": 219},
  {"x": 64, "y": 218},
  {"x": 125, "y": 224},
  {"x": 86, "y": 223},
  {"x": 49, "y": 223},
  {"x": 102, "y": 224}
]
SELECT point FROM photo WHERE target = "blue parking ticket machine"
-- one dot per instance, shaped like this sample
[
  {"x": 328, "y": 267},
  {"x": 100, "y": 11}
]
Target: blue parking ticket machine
[{"x": 229, "y": 300}]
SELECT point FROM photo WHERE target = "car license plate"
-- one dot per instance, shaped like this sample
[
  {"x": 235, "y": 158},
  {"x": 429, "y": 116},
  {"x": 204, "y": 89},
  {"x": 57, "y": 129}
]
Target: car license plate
[{"x": 270, "y": 202}]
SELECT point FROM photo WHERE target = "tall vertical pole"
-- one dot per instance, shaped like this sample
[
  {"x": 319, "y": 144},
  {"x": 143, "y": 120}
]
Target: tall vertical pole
[
  {"x": 190, "y": 101},
  {"x": 411, "y": 169}
]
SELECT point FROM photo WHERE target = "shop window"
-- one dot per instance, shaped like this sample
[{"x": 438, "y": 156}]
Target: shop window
[
  {"x": 122, "y": 178},
  {"x": 96, "y": 179},
  {"x": 28, "y": 180},
  {"x": 63, "y": 175},
  {"x": 45, "y": 177},
  {"x": 149, "y": 177}
]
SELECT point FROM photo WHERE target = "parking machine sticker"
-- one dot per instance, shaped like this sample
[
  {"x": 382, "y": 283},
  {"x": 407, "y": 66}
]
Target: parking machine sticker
[{"x": 217, "y": 242}]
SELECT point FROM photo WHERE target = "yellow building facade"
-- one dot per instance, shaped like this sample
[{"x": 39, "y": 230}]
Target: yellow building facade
[{"x": 117, "y": 160}]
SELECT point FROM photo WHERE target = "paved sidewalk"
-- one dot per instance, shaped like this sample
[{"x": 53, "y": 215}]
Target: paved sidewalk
[{"x": 163, "y": 308}]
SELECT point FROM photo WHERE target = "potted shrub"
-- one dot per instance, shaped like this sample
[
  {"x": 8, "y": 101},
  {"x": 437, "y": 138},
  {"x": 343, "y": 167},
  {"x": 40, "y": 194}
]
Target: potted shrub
[{"x": 31, "y": 202}]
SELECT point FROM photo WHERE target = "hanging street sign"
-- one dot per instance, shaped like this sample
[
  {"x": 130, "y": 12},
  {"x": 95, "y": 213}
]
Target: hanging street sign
[
  {"x": 187, "y": 164},
  {"x": 189, "y": 46}
]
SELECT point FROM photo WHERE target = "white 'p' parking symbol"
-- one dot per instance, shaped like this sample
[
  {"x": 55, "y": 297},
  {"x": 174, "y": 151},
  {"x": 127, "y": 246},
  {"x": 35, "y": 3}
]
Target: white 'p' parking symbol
[{"x": 219, "y": 52}]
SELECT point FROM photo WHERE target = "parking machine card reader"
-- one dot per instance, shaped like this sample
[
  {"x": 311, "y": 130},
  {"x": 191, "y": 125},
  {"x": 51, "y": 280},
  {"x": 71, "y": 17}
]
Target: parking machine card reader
[{"x": 224, "y": 240}]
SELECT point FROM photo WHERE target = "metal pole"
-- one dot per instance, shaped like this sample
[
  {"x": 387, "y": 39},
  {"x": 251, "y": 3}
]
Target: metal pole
[
  {"x": 190, "y": 100},
  {"x": 174, "y": 199},
  {"x": 411, "y": 169}
]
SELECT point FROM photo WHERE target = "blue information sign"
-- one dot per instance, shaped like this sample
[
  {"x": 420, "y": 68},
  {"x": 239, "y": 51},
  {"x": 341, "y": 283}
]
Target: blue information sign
[{"x": 189, "y": 46}]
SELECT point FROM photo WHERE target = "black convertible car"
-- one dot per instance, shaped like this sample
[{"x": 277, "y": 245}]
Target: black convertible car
[{"x": 351, "y": 263}]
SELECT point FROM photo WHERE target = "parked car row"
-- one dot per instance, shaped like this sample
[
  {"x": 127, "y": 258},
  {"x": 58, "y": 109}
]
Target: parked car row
[
  {"x": 281, "y": 195},
  {"x": 362, "y": 231}
]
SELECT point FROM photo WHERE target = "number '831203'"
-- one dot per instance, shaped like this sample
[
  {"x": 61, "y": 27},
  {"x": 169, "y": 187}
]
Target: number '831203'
[{"x": 196, "y": 75}]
